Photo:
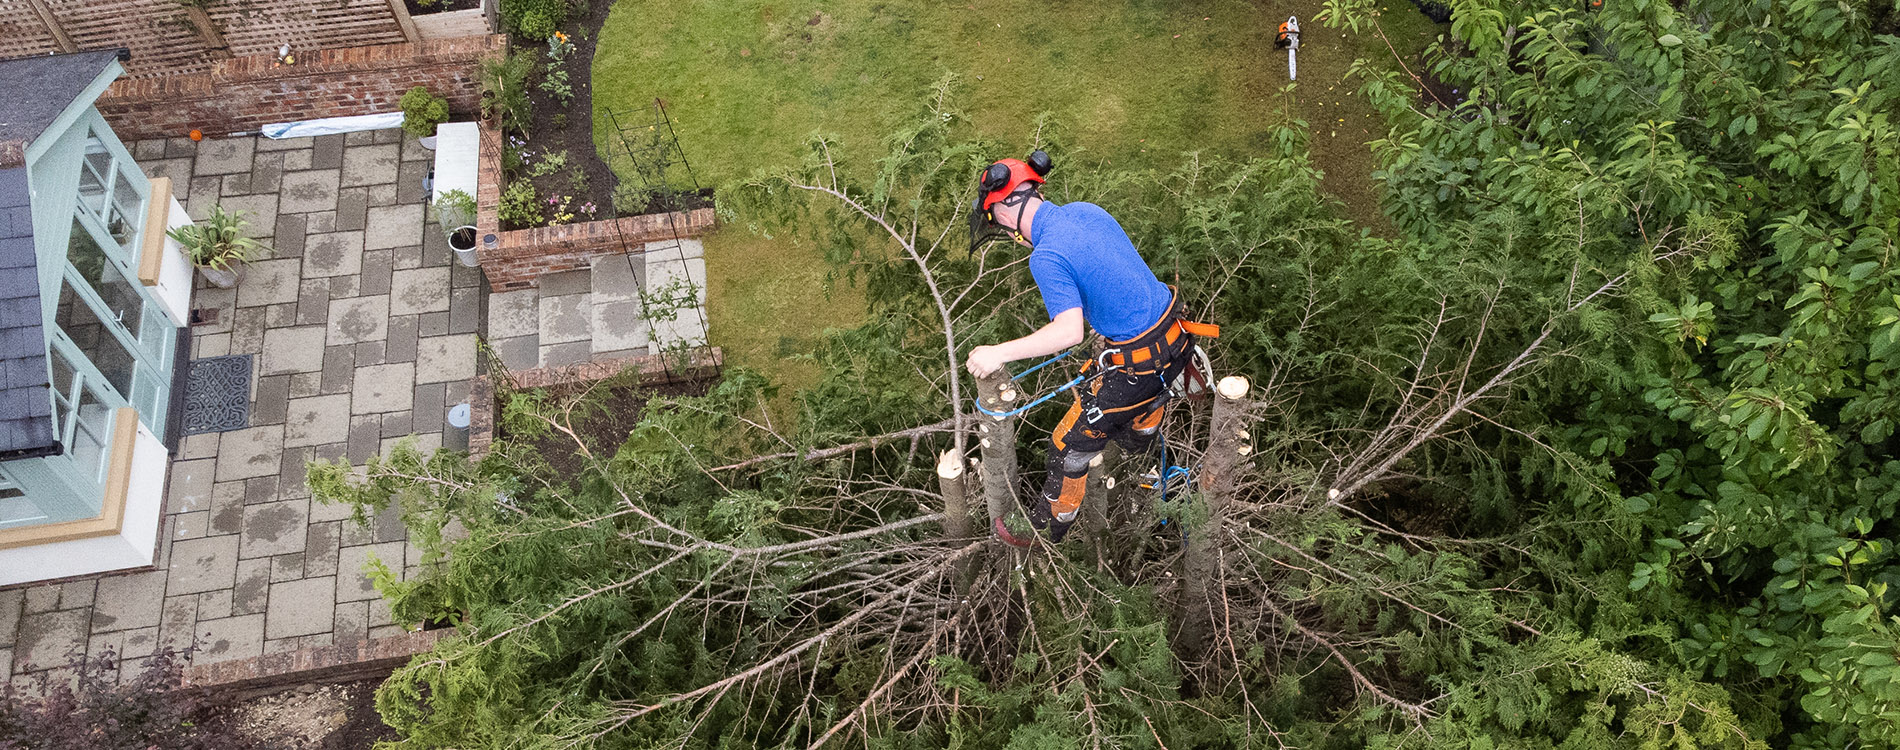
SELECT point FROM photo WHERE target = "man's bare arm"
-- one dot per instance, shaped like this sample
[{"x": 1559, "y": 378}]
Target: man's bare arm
[{"x": 1065, "y": 331}]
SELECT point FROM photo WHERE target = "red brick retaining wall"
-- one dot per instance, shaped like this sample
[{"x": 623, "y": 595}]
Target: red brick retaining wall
[
  {"x": 244, "y": 93},
  {"x": 521, "y": 256},
  {"x": 355, "y": 658}
]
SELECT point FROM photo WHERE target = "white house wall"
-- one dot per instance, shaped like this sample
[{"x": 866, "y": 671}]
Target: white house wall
[
  {"x": 132, "y": 547},
  {"x": 174, "y": 272}
]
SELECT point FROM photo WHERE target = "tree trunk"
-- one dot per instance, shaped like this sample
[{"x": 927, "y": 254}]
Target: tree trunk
[
  {"x": 997, "y": 437},
  {"x": 1229, "y": 445},
  {"x": 956, "y": 501},
  {"x": 1095, "y": 502}
]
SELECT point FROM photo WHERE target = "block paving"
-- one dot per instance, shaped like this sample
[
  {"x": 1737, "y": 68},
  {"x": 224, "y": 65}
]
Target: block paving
[{"x": 364, "y": 331}]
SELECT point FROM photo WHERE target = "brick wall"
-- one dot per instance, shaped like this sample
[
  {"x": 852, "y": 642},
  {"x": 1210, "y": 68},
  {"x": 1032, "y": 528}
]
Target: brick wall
[
  {"x": 521, "y": 256},
  {"x": 244, "y": 93}
]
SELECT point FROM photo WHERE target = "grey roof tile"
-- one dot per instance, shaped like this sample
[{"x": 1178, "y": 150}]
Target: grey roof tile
[{"x": 40, "y": 88}]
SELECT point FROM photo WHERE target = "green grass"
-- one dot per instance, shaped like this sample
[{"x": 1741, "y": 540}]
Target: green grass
[{"x": 1134, "y": 83}]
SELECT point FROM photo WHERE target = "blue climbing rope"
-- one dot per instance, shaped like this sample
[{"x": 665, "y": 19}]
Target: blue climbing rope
[{"x": 1039, "y": 400}]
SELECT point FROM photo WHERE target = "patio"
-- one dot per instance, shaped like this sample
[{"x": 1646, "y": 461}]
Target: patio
[{"x": 364, "y": 333}]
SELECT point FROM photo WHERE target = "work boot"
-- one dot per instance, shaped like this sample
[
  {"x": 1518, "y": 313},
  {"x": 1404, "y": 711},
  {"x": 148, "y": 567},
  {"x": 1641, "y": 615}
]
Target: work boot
[{"x": 1039, "y": 516}]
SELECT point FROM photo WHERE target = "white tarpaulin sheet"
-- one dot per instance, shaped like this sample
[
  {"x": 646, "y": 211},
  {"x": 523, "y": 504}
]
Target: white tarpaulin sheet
[{"x": 331, "y": 125}]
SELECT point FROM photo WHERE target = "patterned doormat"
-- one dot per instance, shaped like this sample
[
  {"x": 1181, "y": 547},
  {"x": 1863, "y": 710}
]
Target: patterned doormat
[{"x": 218, "y": 394}]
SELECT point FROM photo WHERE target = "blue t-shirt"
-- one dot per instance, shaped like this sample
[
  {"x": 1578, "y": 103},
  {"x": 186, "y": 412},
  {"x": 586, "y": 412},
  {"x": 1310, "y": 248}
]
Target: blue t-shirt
[{"x": 1082, "y": 258}]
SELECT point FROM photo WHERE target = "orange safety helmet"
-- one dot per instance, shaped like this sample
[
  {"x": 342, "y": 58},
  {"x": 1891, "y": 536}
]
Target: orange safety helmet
[{"x": 1004, "y": 182}]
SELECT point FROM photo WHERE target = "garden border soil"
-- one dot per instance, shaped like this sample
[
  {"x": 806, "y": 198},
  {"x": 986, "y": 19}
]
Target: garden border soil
[
  {"x": 654, "y": 370},
  {"x": 576, "y": 135}
]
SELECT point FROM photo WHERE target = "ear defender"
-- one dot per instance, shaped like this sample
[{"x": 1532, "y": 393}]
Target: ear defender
[{"x": 1039, "y": 162}]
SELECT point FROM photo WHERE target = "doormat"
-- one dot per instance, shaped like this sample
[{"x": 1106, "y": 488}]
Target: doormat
[{"x": 218, "y": 394}]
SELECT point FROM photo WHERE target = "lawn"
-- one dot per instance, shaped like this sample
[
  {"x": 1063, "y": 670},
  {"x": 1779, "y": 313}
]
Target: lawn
[{"x": 1136, "y": 84}]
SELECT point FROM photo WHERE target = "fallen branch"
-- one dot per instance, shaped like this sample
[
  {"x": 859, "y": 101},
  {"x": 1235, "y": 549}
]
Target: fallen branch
[{"x": 819, "y": 454}]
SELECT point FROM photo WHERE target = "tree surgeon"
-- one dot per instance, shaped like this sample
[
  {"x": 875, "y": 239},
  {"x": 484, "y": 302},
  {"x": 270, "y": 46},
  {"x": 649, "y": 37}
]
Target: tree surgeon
[{"x": 1088, "y": 272}]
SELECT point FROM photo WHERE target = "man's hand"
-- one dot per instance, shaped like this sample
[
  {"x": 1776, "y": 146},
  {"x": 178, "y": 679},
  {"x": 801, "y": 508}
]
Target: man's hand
[{"x": 985, "y": 360}]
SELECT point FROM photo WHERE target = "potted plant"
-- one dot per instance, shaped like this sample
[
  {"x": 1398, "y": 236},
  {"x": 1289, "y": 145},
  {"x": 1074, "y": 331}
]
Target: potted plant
[
  {"x": 216, "y": 243},
  {"x": 422, "y": 110},
  {"x": 455, "y": 212}
]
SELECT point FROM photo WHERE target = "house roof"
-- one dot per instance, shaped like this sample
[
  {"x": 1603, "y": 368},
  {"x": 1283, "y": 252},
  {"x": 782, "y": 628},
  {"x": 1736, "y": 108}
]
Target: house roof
[
  {"x": 26, "y": 422},
  {"x": 39, "y": 88}
]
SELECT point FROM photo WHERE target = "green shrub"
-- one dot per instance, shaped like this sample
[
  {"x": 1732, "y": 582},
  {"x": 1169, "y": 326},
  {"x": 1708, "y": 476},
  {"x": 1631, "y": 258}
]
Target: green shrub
[
  {"x": 535, "y": 19},
  {"x": 505, "y": 90},
  {"x": 218, "y": 240},
  {"x": 422, "y": 110},
  {"x": 455, "y": 208},
  {"x": 520, "y": 206}
]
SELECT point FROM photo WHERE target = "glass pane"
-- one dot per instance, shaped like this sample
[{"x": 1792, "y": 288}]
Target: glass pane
[
  {"x": 157, "y": 336},
  {"x": 89, "y": 441},
  {"x": 94, "y": 339},
  {"x": 121, "y": 298},
  {"x": 92, "y": 190},
  {"x": 62, "y": 392},
  {"x": 125, "y": 217}
]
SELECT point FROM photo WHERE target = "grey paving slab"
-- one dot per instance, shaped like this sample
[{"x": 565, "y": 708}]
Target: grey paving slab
[
  {"x": 214, "y": 604},
  {"x": 191, "y": 485},
  {"x": 274, "y": 528},
  {"x": 333, "y": 254},
  {"x": 258, "y": 211},
  {"x": 75, "y": 594},
  {"x": 200, "y": 565},
  {"x": 419, "y": 290},
  {"x": 138, "y": 643},
  {"x": 270, "y": 398},
  {"x": 370, "y": 165},
  {"x": 286, "y": 567},
  {"x": 359, "y": 138},
  {"x": 292, "y": 471},
  {"x": 512, "y": 314},
  {"x": 230, "y": 638},
  {"x": 520, "y": 352},
  {"x": 339, "y": 369},
  {"x": 352, "y": 209},
  {"x": 570, "y": 353},
  {"x": 227, "y": 508},
  {"x": 267, "y": 173},
  {"x": 424, "y": 443},
  {"x": 359, "y": 319},
  {"x": 189, "y": 525},
  {"x": 250, "y": 452},
  {"x": 378, "y": 266},
  {"x": 352, "y": 621},
  {"x": 265, "y": 145},
  {"x": 301, "y": 607},
  {"x": 224, "y": 155},
  {"x": 382, "y": 388},
  {"x": 292, "y": 350},
  {"x": 327, "y": 151},
  {"x": 268, "y": 282},
  {"x": 308, "y": 191},
  {"x": 409, "y": 182},
  {"x": 396, "y": 424},
  {"x": 251, "y": 594},
  {"x": 48, "y": 638},
  {"x": 321, "y": 545},
  {"x": 283, "y": 314},
  {"x": 394, "y": 226},
  {"x": 465, "y": 310},
  {"x": 565, "y": 318},
  {"x": 401, "y": 344},
  {"x": 615, "y": 278},
  {"x": 317, "y": 420},
  {"x": 352, "y": 582},
  {"x": 177, "y": 622},
  {"x": 299, "y": 159},
  {"x": 12, "y": 603},
  {"x": 618, "y": 325},
  {"x": 444, "y": 358},
  {"x": 42, "y": 599},
  {"x": 432, "y": 324},
  {"x": 407, "y": 257},
  {"x": 366, "y": 434},
  {"x": 260, "y": 490},
  {"x": 430, "y": 408},
  {"x": 313, "y": 301}
]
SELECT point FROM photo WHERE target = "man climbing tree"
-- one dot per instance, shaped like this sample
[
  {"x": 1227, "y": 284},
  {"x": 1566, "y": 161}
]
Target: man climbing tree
[{"x": 1087, "y": 270}]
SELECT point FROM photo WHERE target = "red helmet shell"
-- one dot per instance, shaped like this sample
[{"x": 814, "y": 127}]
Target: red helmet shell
[{"x": 1019, "y": 173}]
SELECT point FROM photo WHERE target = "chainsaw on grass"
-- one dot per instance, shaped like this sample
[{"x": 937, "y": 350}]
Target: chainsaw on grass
[{"x": 1289, "y": 39}]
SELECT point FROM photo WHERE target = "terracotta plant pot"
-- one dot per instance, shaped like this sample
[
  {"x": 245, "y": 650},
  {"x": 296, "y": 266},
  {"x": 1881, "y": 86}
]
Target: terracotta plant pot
[{"x": 222, "y": 278}]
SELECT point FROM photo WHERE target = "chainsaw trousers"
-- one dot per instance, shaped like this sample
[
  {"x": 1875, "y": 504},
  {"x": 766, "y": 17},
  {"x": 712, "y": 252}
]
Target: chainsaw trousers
[{"x": 1118, "y": 405}]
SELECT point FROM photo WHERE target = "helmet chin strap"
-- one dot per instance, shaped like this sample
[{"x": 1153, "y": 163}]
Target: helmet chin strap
[{"x": 1021, "y": 201}]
